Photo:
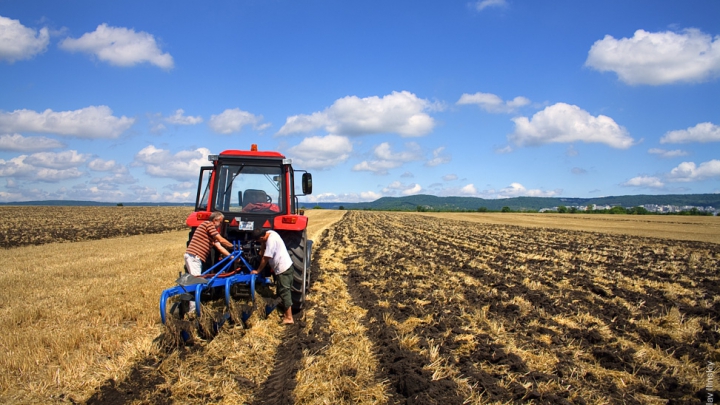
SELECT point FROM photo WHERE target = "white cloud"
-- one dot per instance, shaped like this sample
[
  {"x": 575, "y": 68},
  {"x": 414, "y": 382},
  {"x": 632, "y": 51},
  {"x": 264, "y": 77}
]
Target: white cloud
[
  {"x": 60, "y": 160},
  {"x": 450, "y": 177},
  {"x": 184, "y": 165},
  {"x": 18, "y": 168},
  {"x": 400, "y": 112},
  {"x": 468, "y": 190},
  {"x": 562, "y": 123},
  {"x": 178, "y": 197},
  {"x": 112, "y": 182},
  {"x": 658, "y": 58},
  {"x": 19, "y": 143},
  {"x": 342, "y": 197},
  {"x": 518, "y": 190},
  {"x": 483, "y": 4},
  {"x": 386, "y": 159},
  {"x": 100, "y": 165},
  {"x": 688, "y": 171},
  {"x": 182, "y": 187},
  {"x": 120, "y": 47},
  {"x": 667, "y": 153},
  {"x": 404, "y": 189},
  {"x": 438, "y": 158},
  {"x": 232, "y": 120},
  {"x": 412, "y": 190},
  {"x": 180, "y": 119},
  {"x": 18, "y": 42},
  {"x": 95, "y": 193},
  {"x": 492, "y": 103},
  {"x": 644, "y": 182},
  {"x": 321, "y": 152},
  {"x": 89, "y": 122},
  {"x": 703, "y": 132}
]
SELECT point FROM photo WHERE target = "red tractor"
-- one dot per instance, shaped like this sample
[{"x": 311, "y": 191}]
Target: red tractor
[{"x": 254, "y": 190}]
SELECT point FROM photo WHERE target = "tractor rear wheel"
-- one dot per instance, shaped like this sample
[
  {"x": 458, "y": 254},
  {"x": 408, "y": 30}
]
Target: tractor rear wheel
[{"x": 297, "y": 245}]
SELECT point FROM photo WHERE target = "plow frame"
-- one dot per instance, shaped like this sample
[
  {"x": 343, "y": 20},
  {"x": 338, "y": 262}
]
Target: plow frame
[{"x": 219, "y": 279}]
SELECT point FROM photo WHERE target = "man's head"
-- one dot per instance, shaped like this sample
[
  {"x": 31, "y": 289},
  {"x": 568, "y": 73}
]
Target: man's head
[
  {"x": 260, "y": 234},
  {"x": 217, "y": 217}
]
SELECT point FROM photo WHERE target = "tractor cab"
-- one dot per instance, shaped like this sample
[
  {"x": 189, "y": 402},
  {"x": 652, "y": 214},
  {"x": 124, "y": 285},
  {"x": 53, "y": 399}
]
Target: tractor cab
[{"x": 253, "y": 189}]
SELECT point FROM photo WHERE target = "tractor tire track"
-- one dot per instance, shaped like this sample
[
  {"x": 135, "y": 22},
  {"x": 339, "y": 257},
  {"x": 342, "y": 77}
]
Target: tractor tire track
[{"x": 279, "y": 386}]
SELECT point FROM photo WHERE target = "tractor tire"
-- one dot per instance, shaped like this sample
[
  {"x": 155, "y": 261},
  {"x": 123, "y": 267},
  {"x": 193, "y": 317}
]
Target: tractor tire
[{"x": 297, "y": 246}]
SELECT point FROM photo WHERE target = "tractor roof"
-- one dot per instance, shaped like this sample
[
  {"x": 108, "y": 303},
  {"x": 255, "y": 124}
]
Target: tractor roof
[{"x": 249, "y": 153}]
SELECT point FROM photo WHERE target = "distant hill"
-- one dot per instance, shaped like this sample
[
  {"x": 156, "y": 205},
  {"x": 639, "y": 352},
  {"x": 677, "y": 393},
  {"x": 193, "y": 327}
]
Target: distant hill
[
  {"x": 410, "y": 203},
  {"x": 100, "y": 204}
]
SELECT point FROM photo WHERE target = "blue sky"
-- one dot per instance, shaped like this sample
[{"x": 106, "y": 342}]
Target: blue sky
[{"x": 123, "y": 101}]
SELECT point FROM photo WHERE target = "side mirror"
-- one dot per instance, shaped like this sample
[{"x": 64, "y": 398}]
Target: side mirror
[{"x": 307, "y": 183}]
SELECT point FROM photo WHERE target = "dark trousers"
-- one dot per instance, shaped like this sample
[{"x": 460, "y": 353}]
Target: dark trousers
[{"x": 283, "y": 286}]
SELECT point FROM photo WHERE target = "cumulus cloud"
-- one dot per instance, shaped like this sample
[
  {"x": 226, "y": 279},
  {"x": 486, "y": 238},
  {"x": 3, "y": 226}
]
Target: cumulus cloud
[
  {"x": 100, "y": 165},
  {"x": 40, "y": 168},
  {"x": 644, "y": 182},
  {"x": 113, "y": 181},
  {"x": 438, "y": 158},
  {"x": 667, "y": 153},
  {"x": 60, "y": 160},
  {"x": 703, "y": 132},
  {"x": 233, "y": 120},
  {"x": 182, "y": 186},
  {"x": 689, "y": 171},
  {"x": 120, "y": 47},
  {"x": 321, "y": 152},
  {"x": 386, "y": 159},
  {"x": 19, "y": 143},
  {"x": 183, "y": 165},
  {"x": 518, "y": 190},
  {"x": 404, "y": 189},
  {"x": 483, "y": 4},
  {"x": 657, "y": 58},
  {"x": 450, "y": 177},
  {"x": 90, "y": 122},
  {"x": 178, "y": 118},
  {"x": 95, "y": 193},
  {"x": 562, "y": 123},
  {"x": 364, "y": 196},
  {"x": 468, "y": 190},
  {"x": 18, "y": 42},
  {"x": 402, "y": 113},
  {"x": 493, "y": 103}
]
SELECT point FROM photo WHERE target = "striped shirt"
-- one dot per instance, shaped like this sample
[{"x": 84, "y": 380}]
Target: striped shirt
[{"x": 203, "y": 240}]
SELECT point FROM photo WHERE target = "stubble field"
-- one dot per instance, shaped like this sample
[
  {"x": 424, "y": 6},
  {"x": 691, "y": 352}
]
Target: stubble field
[{"x": 404, "y": 309}]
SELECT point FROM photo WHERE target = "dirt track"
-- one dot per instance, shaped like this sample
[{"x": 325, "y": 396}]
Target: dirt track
[{"x": 412, "y": 309}]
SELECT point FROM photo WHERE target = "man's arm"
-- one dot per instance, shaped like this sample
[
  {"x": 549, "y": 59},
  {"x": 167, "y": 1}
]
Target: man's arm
[
  {"x": 224, "y": 241},
  {"x": 263, "y": 262},
  {"x": 221, "y": 249}
]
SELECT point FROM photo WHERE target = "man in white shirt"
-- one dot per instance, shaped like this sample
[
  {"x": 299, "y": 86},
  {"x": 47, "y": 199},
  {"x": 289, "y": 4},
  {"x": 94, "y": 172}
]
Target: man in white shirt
[{"x": 281, "y": 266}]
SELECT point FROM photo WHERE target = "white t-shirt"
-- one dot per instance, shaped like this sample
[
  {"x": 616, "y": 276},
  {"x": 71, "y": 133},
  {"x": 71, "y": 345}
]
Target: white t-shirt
[{"x": 276, "y": 251}]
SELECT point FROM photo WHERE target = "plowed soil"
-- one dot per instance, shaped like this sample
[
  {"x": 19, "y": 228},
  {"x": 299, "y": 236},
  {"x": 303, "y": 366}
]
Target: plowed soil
[
  {"x": 450, "y": 312},
  {"x": 38, "y": 225}
]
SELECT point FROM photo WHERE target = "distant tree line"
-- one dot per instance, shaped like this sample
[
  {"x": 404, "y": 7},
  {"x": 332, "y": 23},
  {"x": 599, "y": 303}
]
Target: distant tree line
[{"x": 560, "y": 210}]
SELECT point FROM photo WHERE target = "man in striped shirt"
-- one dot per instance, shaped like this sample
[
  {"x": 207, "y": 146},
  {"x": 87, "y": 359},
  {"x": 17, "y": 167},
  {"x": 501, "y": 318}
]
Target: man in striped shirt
[{"x": 205, "y": 237}]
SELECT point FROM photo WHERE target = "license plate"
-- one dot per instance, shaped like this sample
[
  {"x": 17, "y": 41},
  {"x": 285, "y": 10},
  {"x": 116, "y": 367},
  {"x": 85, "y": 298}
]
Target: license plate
[{"x": 246, "y": 225}]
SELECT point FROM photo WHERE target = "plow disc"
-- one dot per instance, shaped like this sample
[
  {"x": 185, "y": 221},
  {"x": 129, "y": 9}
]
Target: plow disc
[{"x": 225, "y": 293}]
